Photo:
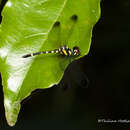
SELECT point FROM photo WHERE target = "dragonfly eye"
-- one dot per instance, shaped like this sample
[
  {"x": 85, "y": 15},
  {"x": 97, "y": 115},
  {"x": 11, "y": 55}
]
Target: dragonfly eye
[{"x": 76, "y": 51}]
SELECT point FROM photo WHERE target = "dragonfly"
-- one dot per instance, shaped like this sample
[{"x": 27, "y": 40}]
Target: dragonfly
[{"x": 64, "y": 51}]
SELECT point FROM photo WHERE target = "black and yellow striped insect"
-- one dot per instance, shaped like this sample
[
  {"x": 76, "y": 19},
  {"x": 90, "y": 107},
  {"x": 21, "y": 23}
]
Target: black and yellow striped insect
[{"x": 65, "y": 51}]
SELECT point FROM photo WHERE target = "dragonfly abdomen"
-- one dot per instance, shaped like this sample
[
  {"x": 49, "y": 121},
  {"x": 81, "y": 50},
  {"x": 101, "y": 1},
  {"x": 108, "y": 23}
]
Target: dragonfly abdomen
[{"x": 39, "y": 53}]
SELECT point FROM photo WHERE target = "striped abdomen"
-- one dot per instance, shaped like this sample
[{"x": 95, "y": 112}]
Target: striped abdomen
[{"x": 39, "y": 53}]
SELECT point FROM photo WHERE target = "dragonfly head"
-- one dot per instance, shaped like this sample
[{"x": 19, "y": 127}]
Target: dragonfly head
[{"x": 76, "y": 51}]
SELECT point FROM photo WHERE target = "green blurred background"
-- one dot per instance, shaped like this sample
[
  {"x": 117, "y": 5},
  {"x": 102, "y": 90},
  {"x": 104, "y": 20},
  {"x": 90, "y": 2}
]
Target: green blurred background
[{"x": 94, "y": 87}]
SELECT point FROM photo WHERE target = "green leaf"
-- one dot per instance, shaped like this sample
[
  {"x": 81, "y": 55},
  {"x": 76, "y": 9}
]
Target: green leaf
[{"x": 30, "y": 26}]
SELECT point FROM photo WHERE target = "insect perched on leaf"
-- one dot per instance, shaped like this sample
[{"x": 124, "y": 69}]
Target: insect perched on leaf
[{"x": 64, "y": 50}]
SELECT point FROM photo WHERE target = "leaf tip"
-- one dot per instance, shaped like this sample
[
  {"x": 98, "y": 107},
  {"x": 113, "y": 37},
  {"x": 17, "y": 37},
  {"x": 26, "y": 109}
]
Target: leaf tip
[{"x": 11, "y": 111}]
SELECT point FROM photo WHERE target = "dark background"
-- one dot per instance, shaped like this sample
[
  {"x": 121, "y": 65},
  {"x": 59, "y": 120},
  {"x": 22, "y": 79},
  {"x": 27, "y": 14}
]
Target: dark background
[{"x": 94, "y": 87}]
